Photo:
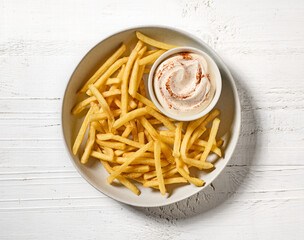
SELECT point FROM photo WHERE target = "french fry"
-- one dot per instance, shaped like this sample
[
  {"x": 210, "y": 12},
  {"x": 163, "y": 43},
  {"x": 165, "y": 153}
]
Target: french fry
[
  {"x": 119, "y": 76},
  {"x": 129, "y": 116},
  {"x": 134, "y": 130},
  {"x": 159, "y": 174},
  {"x": 148, "y": 136},
  {"x": 144, "y": 155},
  {"x": 154, "y": 183},
  {"x": 197, "y": 163},
  {"x": 121, "y": 179},
  {"x": 102, "y": 80},
  {"x": 135, "y": 169},
  {"x": 125, "y": 79},
  {"x": 97, "y": 126},
  {"x": 161, "y": 118},
  {"x": 145, "y": 101},
  {"x": 153, "y": 42},
  {"x": 127, "y": 141},
  {"x": 104, "y": 67},
  {"x": 141, "y": 137},
  {"x": 213, "y": 132},
  {"x": 111, "y": 81},
  {"x": 152, "y": 174},
  {"x": 90, "y": 142},
  {"x": 142, "y": 161},
  {"x": 190, "y": 128},
  {"x": 81, "y": 132},
  {"x": 132, "y": 175},
  {"x": 132, "y": 103},
  {"x": 170, "y": 173},
  {"x": 133, "y": 79},
  {"x": 102, "y": 156},
  {"x": 102, "y": 116},
  {"x": 149, "y": 128},
  {"x": 115, "y": 145},
  {"x": 150, "y": 52},
  {"x": 150, "y": 59},
  {"x": 130, "y": 160},
  {"x": 196, "y": 181},
  {"x": 137, "y": 73},
  {"x": 79, "y": 107},
  {"x": 127, "y": 131},
  {"x": 202, "y": 128},
  {"x": 104, "y": 105},
  {"x": 177, "y": 139}
]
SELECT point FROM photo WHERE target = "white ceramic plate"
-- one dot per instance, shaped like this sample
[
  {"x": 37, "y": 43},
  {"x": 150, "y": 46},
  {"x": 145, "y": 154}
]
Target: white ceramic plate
[{"x": 94, "y": 172}]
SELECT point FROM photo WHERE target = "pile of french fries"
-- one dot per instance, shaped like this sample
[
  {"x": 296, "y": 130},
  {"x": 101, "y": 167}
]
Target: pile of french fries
[{"x": 126, "y": 131}]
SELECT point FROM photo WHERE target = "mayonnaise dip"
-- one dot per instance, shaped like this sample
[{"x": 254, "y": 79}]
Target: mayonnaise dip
[{"x": 183, "y": 84}]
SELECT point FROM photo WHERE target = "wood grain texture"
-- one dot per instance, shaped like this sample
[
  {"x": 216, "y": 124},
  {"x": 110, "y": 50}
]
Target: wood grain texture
[{"x": 260, "y": 195}]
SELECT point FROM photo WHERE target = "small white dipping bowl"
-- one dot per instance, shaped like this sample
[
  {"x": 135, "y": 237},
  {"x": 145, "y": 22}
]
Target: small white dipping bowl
[{"x": 211, "y": 65}]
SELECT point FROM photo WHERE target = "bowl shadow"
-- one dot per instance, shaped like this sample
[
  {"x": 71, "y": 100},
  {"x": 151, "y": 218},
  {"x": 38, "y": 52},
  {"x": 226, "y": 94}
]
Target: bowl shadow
[{"x": 228, "y": 182}]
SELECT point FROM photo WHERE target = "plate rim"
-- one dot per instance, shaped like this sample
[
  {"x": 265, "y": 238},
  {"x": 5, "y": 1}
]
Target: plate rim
[{"x": 237, "y": 107}]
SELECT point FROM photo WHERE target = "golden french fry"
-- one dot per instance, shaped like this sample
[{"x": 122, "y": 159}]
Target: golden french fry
[
  {"x": 132, "y": 175},
  {"x": 104, "y": 105},
  {"x": 152, "y": 174},
  {"x": 82, "y": 131},
  {"x": 177, "y": 139},
  {"x": 134, "y": 130},
  {"x": 97, "y": 126},
  {"x": 102, "y": 156},
  {"x": 79, "y": 107},
  {"x": 213, "y": 132},
  {"x": 90, "y": 142},
  {"x": 159, "y": 174},
  {"x": 142, "y": 161},
  {"x": 141, "y": 137},
  {"x": 102, "y": 80},
  {"x": 196, "y": 181},
  {"x": 197, "y": 163},
  {"x": 135, "y": 169},
  {"x": 132, "y": 104},
  {"x": 190, "y": 128},
  {"x": 133, "y": 79},
  {"x": 130, "y": 160},
  {"x": 111, "y": 81},
  {"x": 137, "y": 72},
  {"x": 145, "y": 101},
  {"x": 144, "y": 155},
  {"x": 119, "y": 76},
  {"x": 121, "y": 179},
  {"x": 153, "y": 42},
  {"x": 150, "y": 52},
  {"x": 202, "y": 128},
  {"x": 148, "y": 136},
  {"x": 151, "y": 58},
  {"x": 127, "y": 131},
  {"x": 104, "y": 67},
  {"x": 149, "y": 128},
  {"x": 129, "y": 116},
  {"x": 115, "y": 145},
  {"x": 102, "y": 116},
  {"x": 161, "y": 118},
  {"x": 125, "y": 79},
  {"x": 173, "y": 180},
  {"x": 127, "y": 141},
  {"x": 170, "y": 173},
  {"x": 83, "y": 104}
]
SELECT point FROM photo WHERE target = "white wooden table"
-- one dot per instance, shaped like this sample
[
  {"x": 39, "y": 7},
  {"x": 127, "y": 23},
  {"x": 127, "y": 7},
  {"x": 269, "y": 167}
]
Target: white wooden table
[{"x": 260, "y": 195}]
